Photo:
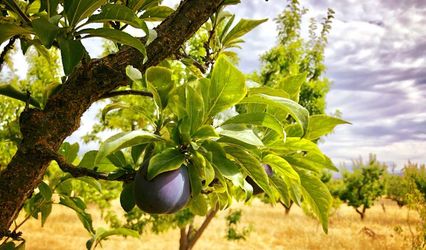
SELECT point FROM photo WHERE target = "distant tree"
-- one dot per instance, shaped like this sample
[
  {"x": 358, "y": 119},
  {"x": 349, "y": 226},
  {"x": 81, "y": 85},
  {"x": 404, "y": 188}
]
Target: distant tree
[
  {"x": 397, "y": 188},
  {"x": 364, "y": 185},
  {"x": 414, "y": 176},
  {"x": 299, "y": 60}
]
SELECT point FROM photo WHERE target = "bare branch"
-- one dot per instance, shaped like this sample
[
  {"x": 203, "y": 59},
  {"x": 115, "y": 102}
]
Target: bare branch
[
  {"x": 6, "y": 49},
  {"x": 126, "y": 92}
]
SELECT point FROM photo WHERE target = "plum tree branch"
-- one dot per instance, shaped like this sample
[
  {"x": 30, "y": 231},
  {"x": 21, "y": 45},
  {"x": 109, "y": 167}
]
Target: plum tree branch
[
  {"x": 82, "y": 171},
  {"x": 126, "y": 92},
  {"x": 44, "y": 131}
]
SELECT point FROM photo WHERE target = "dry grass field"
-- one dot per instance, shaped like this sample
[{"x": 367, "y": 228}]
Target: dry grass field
[{"x": 272, "y": 229}]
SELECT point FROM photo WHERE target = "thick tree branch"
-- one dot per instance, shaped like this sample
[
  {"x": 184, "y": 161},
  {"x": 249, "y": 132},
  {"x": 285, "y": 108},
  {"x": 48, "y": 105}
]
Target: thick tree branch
[{"x": 44, "y": 131}]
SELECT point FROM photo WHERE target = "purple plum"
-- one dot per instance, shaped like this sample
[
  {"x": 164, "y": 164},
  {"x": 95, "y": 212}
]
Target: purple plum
[{"x": 166, "y": 193}]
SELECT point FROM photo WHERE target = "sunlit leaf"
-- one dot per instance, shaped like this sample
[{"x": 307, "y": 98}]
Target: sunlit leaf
[{"x": 167, "y": 160}]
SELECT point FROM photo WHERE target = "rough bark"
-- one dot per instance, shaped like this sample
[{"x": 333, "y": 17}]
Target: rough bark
[{"x": 45, "y": 130}]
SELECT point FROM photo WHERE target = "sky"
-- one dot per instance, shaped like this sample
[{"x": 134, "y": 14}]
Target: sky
[{"x": 376, "y": 60}]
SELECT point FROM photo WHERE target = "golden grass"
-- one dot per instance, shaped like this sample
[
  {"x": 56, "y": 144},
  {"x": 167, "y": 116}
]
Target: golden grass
[{"x": 272, "y": 229}]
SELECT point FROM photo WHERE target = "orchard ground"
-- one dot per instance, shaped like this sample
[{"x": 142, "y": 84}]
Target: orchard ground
[{"x": 272, "y": 229}]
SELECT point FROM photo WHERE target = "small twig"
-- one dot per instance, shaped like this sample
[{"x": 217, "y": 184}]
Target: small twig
[
  {"x": 126, "y": 92},
  {"x": 81, "y": 171},
  {"x": 6, "y": 49},
  {"x": 182, "y": 54}
]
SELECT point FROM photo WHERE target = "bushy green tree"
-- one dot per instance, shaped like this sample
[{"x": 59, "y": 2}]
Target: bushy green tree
[
  {"x": 364, "y": 184},
  {"x": 298, "y": 62}
]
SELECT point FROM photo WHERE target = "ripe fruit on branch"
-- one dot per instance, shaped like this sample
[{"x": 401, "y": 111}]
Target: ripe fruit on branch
[
  {"x": 166, "y": 193},
  {"x": 256, "y": 188}
]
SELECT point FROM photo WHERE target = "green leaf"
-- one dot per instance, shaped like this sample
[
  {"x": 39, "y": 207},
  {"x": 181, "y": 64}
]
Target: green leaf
[
  {"x": 127, "y": 199},
  {"x": 204, "y": 166},
  {"x": 45, "y": 191},
  {"x": 111, "y": 107},
  {"x": 7, "y": 246},
  {"x": 72, "y": 52},
  {"x": 157, "y": 13},
  {"x": 78, "y": 206},
  {"x": 227, "y": 87},
  {"x": 268, "y": 91},
  {"x": 77, "y": 10},
  {"x": 52, "y": 7},
  {"x": 316, "y": 194},
  {"x": 136, "y": 152},
  {"x": 33, "y": 7},
  {"x": 246, "y": 136},
  {"x": 118, "y": 159},
  {"x": 88, "y": 161},
  {"x": 160, "y": 83},
  {"x": 198, "y": 205},
  {"x": 133, "y": 73},
  {"x": 102, "y": 234},
  {"x": 69, "y": 151},
  {"x": 225, "y": 166},
  {"x": 117, "y": 12},
  {"x": 282, "y": 189},
  {"x": 142, "y": 4},
  {"x": 252, "y": 166},
  {"x": 45, "y": 211},
  {"x": 311, "y": 161},
  {"x": 167, "y": 160},
  {"x": 295, "y": 144},
  {"x": 91, "y": 182},
  {"x": 9, "y": 91},
  {"x": 320, "y": 125},
  {"x": 292, "y": 84},
  {"x": 116, "y": 36},
  {"x": 281, "y": 166},
  {"x": 299, "y": 113},
  {"x": 243, "y": 27},
  {"x": 45, "y": 30},
  {"x": 257, "y": 119},
  {"x": 124, "y": 140},
  {"x": 205, "y": 132},
  {"x": 195, "y": 180},
  {"x": 194, "y": 109}
]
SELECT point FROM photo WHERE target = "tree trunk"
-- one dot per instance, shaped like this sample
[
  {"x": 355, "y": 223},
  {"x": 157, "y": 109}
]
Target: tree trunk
[
  {"x": 44, "y": 131},
  {"x": 361, "y": 213},
  {"x": 188, "y": 237},
  {"x": 287, "y": 208}
]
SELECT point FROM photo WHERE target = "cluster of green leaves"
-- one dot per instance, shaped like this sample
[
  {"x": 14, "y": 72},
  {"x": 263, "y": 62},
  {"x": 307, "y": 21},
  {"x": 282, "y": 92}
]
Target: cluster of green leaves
[
  {"x": 364, "y": 185},
  {"x": 220, "y": 157},
  {"x": 62, "y": 24},
  {"x": 219, "y": 36},
  {"x": 63, "y": 189}
]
